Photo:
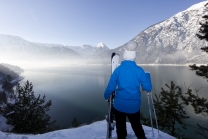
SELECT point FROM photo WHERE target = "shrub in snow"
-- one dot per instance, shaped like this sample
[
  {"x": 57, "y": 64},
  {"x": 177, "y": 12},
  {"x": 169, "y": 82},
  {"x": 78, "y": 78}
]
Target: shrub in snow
[{"x": 29, "y": 114}]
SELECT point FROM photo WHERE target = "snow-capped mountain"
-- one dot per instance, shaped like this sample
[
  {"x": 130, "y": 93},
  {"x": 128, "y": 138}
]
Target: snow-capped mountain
[
  {"x": 101, "y": 47},
  {"x": 15, "y": 44},
  {"x": 15, "y": 47},
  {"x": 89, "y": 50},
  {"x": 172, "y": 41}
]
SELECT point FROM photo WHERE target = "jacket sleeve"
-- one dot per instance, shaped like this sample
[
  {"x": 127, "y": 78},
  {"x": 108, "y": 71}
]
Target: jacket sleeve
[
  {"x": 111, "y": 84},
  {"x": 146, "y": 81}
]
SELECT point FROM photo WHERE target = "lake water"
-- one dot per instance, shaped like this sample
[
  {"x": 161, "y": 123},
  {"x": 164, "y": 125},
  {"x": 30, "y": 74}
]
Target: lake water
[{"x": 77, "y": 91}]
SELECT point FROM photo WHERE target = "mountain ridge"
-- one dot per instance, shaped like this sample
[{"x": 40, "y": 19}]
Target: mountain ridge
[{"x": 171, "y": 41}]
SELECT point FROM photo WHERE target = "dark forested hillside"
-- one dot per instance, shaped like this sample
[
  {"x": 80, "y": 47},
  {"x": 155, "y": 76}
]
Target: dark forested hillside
[
  {"x": 4, "y": 71},
  {"x": 13, "y": 68}
]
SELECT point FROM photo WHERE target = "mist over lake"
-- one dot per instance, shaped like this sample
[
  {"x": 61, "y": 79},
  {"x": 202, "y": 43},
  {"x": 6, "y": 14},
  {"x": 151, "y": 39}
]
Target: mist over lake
[{"x": 77, "y": 91}]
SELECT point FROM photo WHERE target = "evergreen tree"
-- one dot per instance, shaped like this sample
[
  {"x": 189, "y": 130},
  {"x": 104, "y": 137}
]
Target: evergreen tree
[
  {"x": 29, "y": 115},
  {"x": 170, "y": 110},
  {"x": 75, "y": 123},
  {"x": 7, "y": 86},
  {"x": 3, "y": 98},
  {"x": 200, "y": 105},
  {"x": 202, "y": 35}
]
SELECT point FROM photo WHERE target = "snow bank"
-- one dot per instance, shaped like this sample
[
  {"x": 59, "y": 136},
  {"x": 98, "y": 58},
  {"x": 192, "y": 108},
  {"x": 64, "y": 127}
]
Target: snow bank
[
  {"x": 3, "y": 125},
  {"x": 95, "y": 130}
]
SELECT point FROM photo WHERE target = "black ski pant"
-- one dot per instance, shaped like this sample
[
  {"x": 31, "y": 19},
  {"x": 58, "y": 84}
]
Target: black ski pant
[{"x": 135, "y": 124}]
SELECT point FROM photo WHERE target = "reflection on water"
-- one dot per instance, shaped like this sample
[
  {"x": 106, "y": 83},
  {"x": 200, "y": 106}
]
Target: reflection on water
[{"x": 77, "y": 91}]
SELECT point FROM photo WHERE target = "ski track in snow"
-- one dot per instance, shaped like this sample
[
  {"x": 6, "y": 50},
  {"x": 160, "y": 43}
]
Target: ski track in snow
[{"x": 95, "y": 130}]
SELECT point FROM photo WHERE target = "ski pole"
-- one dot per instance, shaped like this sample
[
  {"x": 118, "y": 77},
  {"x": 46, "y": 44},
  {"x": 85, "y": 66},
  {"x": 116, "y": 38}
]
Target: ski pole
[
  {"x": 148, "y": 94},
  {"x": 154, "y": 113}
]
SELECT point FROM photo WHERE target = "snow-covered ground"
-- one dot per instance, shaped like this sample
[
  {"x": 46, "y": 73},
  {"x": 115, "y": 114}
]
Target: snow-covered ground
[
  {"x": 96, "y": 130},
  {"x": 3, "y": 125}
]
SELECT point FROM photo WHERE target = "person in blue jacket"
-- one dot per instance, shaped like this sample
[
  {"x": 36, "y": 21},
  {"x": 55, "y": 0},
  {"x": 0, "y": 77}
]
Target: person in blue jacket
[{"x": 127, "y": 78}]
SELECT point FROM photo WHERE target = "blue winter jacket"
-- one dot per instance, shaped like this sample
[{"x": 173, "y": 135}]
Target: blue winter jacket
[{"x": 128, "y": 77}]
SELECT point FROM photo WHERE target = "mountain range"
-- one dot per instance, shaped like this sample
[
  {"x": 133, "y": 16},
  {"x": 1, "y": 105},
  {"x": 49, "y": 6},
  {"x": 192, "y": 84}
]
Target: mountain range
[
  {"x": 15, "y": 48},
  {"x": 172, "y": 41},
  {"x": 88, "y": 50}
]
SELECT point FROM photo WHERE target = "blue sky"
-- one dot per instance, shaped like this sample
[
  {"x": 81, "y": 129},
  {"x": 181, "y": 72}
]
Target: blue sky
[{"x": 78, "y": 22}]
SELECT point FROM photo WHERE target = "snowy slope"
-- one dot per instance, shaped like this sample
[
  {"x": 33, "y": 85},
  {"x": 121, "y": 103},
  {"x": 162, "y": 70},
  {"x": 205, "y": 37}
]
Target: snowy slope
[
  {"x": 95, "y": 130},
  {"x": 172, "y": 41},
  {"x": 15, "y": 44},
  {"x": 3, "y": 125}
]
